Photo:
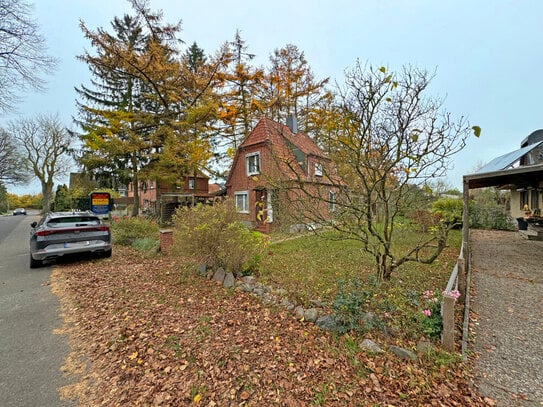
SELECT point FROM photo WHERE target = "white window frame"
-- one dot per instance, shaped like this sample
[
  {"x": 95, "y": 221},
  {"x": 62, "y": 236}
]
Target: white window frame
[
  {"x": 318, "y": 169},
  {"x": 248, "y": 158},
  {"x": 270, "y": 208},
  {"x": 332, "y": 199},
  {"x": 192, "y": 183},
  {"x": 245, "y": 201}
]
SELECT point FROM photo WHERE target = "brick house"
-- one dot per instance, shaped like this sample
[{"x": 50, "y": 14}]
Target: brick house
[
  {"x": 163, "y": 198},
  {"x": 268, "y": 169}
]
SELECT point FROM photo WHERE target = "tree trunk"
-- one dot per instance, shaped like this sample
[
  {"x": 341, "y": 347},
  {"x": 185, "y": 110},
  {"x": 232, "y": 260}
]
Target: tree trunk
[
  {"x": 136, "y": 205},
  {"x": 47, "y": 193}
]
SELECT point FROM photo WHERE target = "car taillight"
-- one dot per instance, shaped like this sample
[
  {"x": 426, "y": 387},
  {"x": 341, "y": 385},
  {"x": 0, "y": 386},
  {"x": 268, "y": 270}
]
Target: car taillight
[{"x": 44, "y": 232}]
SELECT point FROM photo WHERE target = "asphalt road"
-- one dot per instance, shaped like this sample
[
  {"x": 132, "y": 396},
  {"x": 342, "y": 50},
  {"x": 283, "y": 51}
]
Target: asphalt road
[{"x": 30, "y": 354}]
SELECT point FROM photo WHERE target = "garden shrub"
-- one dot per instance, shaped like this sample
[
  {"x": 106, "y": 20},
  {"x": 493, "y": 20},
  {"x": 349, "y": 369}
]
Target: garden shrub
[
  {"x": 423, "y": 218},
  {"x": 146, "y": 244},
  {"x": 430, "y": 316},
  {"x": 483, "y": 215},
  {"x": 350, "y": 303},
  {"x": 125, "y": 231},
  {"x": 215, "y": 236},
  {"x": 449, "y": 210}
]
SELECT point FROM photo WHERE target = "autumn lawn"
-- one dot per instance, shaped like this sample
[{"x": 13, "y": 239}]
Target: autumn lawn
[{"x": 147, "y": 330}]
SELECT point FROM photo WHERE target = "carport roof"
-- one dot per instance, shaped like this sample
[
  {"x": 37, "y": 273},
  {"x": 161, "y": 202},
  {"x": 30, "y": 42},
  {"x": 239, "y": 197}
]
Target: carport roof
[
  {"x": 519, "y": 177},
  {"x": 500, "y": 171},
  {"x": 507, "y": 160}
]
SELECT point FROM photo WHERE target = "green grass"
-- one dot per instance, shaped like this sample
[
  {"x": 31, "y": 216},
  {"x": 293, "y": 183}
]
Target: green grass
[{"x": 312, "y": 267}]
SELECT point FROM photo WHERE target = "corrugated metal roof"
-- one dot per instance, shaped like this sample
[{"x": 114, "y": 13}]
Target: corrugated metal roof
[{"x": 507, "y": 160}]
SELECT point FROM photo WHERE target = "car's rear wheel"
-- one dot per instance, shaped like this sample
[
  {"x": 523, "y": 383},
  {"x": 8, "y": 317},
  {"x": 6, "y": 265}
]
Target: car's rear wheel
[
  {"x": 35, "y": 263},
  {"x": 107, "y": 253}
]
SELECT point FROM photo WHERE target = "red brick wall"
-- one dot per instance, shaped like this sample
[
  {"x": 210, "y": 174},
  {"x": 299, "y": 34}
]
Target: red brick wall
[
  {"x": 240, "y": 181},
  {"x": 166, "y": 240}
]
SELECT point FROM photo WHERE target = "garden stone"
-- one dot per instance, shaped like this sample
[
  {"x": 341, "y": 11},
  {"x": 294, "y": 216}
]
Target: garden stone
[
  {"x": 229, "y": 280},
  {"x": 311, "y": 314},
  {"x": 328, "y": 323},
  {"x": 402, "y": 353},
  {"x": 299, "y": 312},
  {"x": 248, "y": 288},
  {"x": 268, "y": 299},
  {"x": 219, "y": 275},
  {"x": 285, "y": 302},
  {"x": 368, "y": 344},
  {"x": 249, "y": 279},
  {"x": 202, "y": 269}
]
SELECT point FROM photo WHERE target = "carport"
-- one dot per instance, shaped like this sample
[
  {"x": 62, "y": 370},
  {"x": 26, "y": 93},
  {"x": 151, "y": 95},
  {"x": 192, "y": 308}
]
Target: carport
[{"x": 528, "y": 176}]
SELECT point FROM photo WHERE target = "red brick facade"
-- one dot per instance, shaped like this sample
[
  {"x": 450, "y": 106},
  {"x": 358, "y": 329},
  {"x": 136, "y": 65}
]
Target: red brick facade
[
  {"x": 162, "y": 198},
  {"x": 273, "y": 154}
]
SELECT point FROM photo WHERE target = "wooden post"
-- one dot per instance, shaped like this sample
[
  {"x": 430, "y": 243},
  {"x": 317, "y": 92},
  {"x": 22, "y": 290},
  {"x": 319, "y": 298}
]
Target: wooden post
[
  {"x": 465, "y": 231},
  {"x": 462, "y": 278},
  {"x": 447, "y": 314},
  {"x": 465, "y": 215}
]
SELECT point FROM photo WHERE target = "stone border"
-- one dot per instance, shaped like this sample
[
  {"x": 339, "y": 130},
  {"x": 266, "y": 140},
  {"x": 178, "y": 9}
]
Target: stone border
[{"x": 315, "y": 315}]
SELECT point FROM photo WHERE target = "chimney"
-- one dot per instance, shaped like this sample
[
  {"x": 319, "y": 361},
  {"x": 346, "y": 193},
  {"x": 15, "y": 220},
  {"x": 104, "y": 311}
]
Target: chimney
[{"x": 292, "y": 123}]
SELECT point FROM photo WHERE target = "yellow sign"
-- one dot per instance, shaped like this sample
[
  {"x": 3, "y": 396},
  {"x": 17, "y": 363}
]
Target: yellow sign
[{"x": 100, "y": 201}]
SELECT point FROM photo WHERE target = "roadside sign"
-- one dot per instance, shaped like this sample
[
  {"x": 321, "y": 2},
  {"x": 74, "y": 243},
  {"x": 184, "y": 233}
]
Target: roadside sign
[{"x": 100, "y": 202}]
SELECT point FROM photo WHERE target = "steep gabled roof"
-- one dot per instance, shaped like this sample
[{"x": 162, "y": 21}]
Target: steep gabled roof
[
  {"x": 290, "y": 150},
  {"x": 267, "y": 130}
]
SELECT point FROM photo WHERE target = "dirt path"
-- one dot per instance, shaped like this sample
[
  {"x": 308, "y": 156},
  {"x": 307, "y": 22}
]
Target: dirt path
[{"x": 508, "y": 330}]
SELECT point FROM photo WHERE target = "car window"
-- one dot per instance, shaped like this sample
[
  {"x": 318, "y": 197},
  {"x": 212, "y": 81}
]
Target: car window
[{"x": 73, "y": 220}]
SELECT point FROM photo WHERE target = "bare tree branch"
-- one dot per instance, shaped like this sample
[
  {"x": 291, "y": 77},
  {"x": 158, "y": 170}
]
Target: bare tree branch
[
  {"x": 47, "y": 150},
  {"x": 23, "y": 55}
]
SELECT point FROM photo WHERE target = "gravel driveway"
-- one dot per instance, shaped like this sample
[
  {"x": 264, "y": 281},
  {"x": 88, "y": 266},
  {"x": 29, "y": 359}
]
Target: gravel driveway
[{"x": 508, "y": 322}]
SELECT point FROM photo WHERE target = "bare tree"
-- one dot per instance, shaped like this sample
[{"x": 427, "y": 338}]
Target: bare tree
[
  {"x": 391, "y": 140},
  {"x": 12, "y": 168},
  {"x": 23, "y": 55},
  {"x": 47, "y": 150}
]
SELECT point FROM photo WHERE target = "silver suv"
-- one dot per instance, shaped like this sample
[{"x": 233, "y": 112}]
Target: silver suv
[{"x": 62, "y": 233}]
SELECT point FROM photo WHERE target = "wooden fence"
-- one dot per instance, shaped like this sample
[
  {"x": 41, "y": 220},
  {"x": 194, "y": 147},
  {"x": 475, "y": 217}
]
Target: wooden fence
[{"x": 458, "y": 280}]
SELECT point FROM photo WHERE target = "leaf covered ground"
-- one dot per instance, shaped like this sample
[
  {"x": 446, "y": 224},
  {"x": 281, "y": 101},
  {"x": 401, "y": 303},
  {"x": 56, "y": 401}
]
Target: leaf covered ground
[{"x": 145, "y": 331}]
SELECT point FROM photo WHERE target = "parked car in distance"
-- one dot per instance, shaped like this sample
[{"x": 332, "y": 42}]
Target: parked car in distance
[
  {"x": 64, "y": 233},
  {"x": 19, "y": 211}
]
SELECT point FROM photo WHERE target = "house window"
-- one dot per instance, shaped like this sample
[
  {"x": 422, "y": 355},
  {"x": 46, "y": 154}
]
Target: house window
[
  {"x": 332, "y": 199},
  {"x": 523, "y": 199},
  {"x": 534, "y": 201},
  {"x": 241, "y": 201},
  {"x": 253, "y": 163},
  {"x": 318, "y": 169},
  {"x": 191, "y": 183}
]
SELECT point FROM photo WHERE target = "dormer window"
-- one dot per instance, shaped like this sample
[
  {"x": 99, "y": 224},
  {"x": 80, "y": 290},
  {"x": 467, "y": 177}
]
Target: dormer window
[
  {"x": 252, "y": 162},
  {"x": 318, "y": 170}
]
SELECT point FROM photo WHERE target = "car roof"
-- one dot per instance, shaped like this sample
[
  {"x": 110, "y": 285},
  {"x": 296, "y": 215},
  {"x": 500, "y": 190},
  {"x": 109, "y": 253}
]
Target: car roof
[{"x": 70, "y": 214}]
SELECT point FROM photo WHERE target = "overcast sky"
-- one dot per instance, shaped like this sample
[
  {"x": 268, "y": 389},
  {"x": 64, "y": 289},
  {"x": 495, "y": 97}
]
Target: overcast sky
[{"x": 487, "y": 54}]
